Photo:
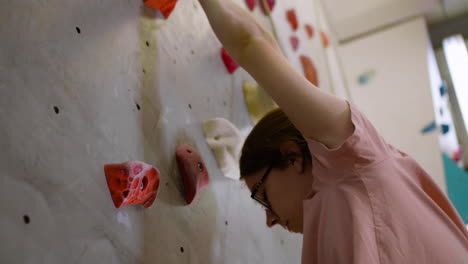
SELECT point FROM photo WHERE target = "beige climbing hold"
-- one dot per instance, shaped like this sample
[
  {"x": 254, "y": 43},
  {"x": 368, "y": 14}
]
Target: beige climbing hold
[
  {"x": 226, "y": 142},
  {"x": 258, "y": 101}
]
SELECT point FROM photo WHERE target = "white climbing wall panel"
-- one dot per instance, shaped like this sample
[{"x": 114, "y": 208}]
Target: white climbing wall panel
[
  {"x": 84, "y": 83},
  {"x": 307, "y": 13}
]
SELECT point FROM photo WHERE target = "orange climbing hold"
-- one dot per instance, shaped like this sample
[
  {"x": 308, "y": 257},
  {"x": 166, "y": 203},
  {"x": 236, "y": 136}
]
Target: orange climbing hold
[
  {"x": 132, "y": 182},
  {"x": 325, "y": 40},
  {"x": 165, "y": 6},
  {"x": 292, "y": 19},
  {"x": 310, "y": 30},
  {"x": 310, "y": 71}
]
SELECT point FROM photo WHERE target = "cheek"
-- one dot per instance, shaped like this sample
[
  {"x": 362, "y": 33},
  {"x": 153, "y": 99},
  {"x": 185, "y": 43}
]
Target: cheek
[{"x": 285, "y": 196}]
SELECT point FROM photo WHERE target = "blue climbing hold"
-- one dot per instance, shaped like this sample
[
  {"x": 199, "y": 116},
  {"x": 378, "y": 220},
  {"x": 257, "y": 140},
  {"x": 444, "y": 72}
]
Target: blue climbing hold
[
  {"x": 363, "y": 79},
  {"x": 429, "y": 128},
  {"x": 445, "y": 129},
  {"x": 443, "y": 89}
]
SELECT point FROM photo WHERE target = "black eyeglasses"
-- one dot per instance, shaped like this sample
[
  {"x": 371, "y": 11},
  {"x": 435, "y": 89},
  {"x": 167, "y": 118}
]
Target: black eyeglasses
[{"x": 262, "y": 198}]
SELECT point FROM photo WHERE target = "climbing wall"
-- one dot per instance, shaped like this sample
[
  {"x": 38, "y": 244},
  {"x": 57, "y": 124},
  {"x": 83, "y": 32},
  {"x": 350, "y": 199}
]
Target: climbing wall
[
  {"x": 302, "y": 36},
  {"x": 85, "y": 83}
]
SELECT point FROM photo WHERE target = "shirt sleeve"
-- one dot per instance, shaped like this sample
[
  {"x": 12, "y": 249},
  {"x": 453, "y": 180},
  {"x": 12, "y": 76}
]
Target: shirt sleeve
[{"x": 364, "y": 147}]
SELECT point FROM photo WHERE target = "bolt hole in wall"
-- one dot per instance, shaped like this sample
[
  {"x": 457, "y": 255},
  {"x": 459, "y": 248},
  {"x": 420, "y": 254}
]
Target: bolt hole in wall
[
  {"x": 56, "y": 109},
  {"x": 26, "y": 219},
  {"x": 190, "y": 106},
  {"x": 138, "y": 107},
  {"x": 182, "y": 249},
  {"x": 147, "y": 43},
  {"x": 78, "y": 30}
]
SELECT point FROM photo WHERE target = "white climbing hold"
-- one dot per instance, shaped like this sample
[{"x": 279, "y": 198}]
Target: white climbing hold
[{"x": 226, "y": 142}]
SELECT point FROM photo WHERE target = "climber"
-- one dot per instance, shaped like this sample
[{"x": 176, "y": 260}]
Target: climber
[{"x": 319, "y": 167}]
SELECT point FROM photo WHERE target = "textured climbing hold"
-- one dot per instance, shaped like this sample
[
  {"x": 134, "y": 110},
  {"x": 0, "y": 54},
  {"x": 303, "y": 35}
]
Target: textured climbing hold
[
  {"x": 325, "y": 40},
  {"x": 310, "y": 71},
  {"x": 257, "y": 100},
  {"x": 429, "y": 128},
  {"x": 193, "y": 171},
  {"x": 294, "y": 42},
  {"x": 251, "y": 4},
  {"x": 268, "y": 8},
  {"x": 165, "y": 6},
  {"x": 226, "y": 142},
  {"x": 229, "y": 62},
  {"x": 132, "y": 182},
  {"x": 292, "y": 19},
  {"x": 310, "y": 30}
]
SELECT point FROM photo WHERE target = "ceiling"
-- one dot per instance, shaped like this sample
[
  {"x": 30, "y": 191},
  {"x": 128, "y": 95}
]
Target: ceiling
[
  {"x": 352, "y": 19},
  {"x": 449, "y": 9}
]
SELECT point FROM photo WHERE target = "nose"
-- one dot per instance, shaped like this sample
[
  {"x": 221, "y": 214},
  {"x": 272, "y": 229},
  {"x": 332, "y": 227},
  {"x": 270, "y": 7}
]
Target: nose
[{"x": 271, "y": 218}]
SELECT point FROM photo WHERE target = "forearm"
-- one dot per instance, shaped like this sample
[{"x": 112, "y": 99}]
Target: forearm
[{"x": 234, "y": 27}]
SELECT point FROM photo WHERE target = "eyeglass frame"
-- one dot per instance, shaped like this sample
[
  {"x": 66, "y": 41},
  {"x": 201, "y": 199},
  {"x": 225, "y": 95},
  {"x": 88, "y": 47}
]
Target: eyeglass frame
[{"x": 257, "y": 186}]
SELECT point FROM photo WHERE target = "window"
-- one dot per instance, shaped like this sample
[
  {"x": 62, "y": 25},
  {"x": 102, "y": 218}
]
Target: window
[{"x": 456, "y": 55}]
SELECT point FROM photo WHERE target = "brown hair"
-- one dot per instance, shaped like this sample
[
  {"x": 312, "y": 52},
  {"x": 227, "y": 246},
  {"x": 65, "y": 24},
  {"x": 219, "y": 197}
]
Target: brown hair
[{"x": 262, "y": 147}]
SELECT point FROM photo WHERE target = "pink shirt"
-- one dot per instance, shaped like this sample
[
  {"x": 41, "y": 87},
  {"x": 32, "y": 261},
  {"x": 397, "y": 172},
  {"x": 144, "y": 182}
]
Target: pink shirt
[{"x": 372, "y": 203}]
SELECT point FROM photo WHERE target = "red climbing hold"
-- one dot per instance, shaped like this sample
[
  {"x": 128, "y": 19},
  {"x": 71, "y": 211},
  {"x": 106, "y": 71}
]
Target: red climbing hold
[
  {"x": 310, "y": 30},
  {"x": 325, "y": 40},
  {"x": 292, "y": 19},
  {"x": 165, "y": 6},
  {"x": 309, "y": 70},
  {"x": 132, "y": 182},
  {"x": 193, "y": 171},
  {"x": 229, "y": 62},
  {"x": 251, "y": 4},
  {"x": 294, "y": 42},
  {"x": 457, "y": 155},
  {"x": 269, "y": 8}
]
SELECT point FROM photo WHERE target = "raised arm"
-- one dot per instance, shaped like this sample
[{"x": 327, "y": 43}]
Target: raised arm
[{"x": 318, "y": 115}]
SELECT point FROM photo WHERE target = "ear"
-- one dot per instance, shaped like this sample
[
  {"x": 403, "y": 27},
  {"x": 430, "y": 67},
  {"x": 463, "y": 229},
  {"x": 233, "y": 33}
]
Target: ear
[{"x": 293, "y": 153}]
